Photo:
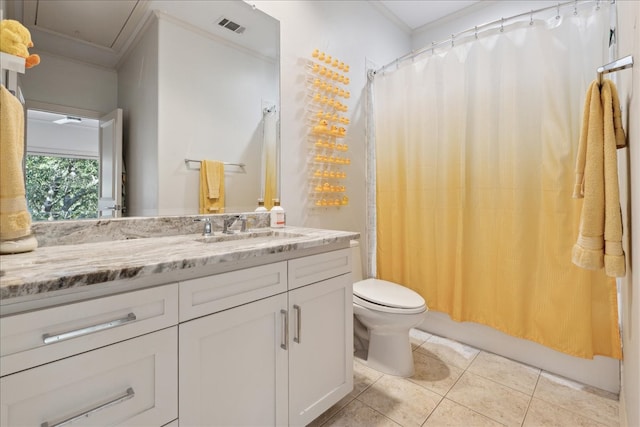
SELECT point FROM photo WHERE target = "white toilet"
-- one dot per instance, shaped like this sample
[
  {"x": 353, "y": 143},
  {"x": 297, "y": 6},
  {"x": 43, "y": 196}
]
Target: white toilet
[{"x": 384, "y": 312}]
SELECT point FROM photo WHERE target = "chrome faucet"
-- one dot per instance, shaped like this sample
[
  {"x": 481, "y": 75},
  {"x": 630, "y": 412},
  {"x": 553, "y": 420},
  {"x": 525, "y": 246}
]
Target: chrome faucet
[
  {"x": 230, "y": 220},
  {"x": 207, "y": 231}
]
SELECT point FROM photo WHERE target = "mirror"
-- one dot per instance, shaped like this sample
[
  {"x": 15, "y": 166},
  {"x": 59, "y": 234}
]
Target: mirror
[{"x": 195, "y": 80}]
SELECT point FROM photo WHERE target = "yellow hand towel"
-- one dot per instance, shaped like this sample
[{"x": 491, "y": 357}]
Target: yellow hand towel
[
  {"x": 211, "y": 187},
  {"x": 588, "y": 252},
  {"x": 614, "y": 137},
  {"x": 15, "y": 221},
  {"x": 600, "y": 238}
]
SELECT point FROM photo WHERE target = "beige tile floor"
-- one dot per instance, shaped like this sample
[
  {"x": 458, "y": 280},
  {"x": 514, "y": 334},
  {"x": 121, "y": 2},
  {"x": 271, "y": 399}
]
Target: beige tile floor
[{"x": 457, "y": 385}]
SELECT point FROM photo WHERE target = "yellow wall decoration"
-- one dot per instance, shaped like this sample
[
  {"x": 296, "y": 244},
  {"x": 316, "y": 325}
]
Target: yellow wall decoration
[{"x": 328, "y": 152}]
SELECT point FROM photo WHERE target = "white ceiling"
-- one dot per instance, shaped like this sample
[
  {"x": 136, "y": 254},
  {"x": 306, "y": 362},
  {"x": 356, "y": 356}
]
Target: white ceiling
[
  {"x": 417, "y": 13},
  {"x": 99, "y": 31}
]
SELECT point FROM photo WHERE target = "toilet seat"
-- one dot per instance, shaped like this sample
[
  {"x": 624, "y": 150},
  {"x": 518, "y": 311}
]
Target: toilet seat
[{"x": 388, "y": 297}]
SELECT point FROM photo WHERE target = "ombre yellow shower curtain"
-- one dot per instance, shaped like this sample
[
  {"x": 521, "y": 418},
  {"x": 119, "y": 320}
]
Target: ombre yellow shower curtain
[
  {"x": 269, "y": 158},
  {"x": 475, "y": 153}
]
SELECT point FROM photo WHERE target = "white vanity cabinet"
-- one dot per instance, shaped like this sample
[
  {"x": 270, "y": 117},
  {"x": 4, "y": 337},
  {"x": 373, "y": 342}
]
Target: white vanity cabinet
[
  {"x": 261, "y": 345},
  {"x": 281, "y": 360},
  {"x": 106, "y": 361}
]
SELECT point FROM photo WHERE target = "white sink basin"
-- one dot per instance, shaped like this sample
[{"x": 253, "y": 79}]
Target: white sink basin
[{"x": 249, "y": 236}]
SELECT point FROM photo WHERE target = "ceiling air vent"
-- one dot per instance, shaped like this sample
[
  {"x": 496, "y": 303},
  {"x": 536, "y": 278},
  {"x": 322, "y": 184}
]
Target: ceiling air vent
[
  {"x": 68, "y": 119},
  {"x": 230, "y": 25}
]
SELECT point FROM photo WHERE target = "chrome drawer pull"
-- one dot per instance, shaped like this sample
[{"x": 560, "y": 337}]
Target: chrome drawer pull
[
  {"x": 48, "y": 339},
  {"x": 296, "y": 337},
  {"x": 285, "y": 325},
  {"x": 126, "y": 396}
]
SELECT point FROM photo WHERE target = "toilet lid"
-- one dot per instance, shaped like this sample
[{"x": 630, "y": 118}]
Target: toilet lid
[{"x": 387, "y": 294}]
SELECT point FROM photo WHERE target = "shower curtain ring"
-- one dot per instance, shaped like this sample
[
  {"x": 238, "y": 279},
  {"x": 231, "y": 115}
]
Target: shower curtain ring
[
  {"x": 558, "y": 12},
  {"x": 575, "y": 8},
  {"x": 597, "y": 4},
  {"x": 502, "y": 25},
  {"x": 531, "y": 18},
  {"x": 453, "y": 36},
  {"x": 476, "y": 32}
]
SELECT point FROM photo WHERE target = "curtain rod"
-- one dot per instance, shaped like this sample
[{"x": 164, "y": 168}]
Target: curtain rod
[{"x": 475, "y": 30}]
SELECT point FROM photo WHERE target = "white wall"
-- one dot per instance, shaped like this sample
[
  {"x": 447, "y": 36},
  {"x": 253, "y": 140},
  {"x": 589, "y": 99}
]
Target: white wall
[
  {"x": 352, "y": 31},
  {"x": 138, "y": 98},
  {"x": 75, "y": 84},
  {"x": 74, "y": 141},
  {"x": 629, "y": 167}
]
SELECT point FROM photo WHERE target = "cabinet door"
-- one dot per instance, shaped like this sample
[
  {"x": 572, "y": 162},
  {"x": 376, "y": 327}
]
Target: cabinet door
[
  {"x": 131, "y": 383},
  {"x": 321, "y": 349},
  {"x": 233, "y": 366}
]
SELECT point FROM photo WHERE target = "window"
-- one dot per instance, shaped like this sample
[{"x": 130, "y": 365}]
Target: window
[
  {"x": 61, "y": 188},
  {"x": 62, "y": 166}
]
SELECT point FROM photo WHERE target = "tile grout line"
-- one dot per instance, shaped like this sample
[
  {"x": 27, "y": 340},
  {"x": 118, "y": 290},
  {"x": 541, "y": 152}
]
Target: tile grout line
[
  {"x": 378, "y": 412},
  {"x": 354, "y": 398},
  {"x": 442, "y": 397},
  {"x": 571, "y": 410},
  {"x": 526, "y": 412},
  {"x": 471, "y": 373}
]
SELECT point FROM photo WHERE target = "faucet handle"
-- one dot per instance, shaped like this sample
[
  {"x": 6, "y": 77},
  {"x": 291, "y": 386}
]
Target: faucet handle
[
  {"x": 228, "y": 222},
  {"x": 207, "y": 231},
  {"x": 243, "y": 219}
]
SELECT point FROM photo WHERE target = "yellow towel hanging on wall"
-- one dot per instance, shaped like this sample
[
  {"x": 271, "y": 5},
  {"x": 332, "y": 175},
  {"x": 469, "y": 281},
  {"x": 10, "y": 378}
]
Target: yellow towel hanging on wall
[
  {"x": 15, "y": 220},
  {"x": 211, "y": 187},
  {"x": 599, "y": 242}
]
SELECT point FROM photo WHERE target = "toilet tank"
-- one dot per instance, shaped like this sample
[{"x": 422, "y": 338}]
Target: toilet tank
[{"x": 356, "y": 261}]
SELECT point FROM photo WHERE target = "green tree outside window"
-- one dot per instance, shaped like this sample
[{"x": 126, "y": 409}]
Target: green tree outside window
[{"x": 61, "y": 188}]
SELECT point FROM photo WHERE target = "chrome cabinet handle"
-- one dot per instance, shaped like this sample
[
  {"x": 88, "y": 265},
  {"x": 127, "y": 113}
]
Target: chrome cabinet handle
[
  {"x": 296, "y": 337},
  {"x": 126, "y": 396},
  {"x": 48, "y": 339},
  {"x": 285, "y": 325}
]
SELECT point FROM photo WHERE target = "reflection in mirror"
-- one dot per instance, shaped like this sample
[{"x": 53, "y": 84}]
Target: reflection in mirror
[
  {"x": 62, "y": 166},
  {"x": 270, "y": 157},
  {"x": 189, "y": 87}
]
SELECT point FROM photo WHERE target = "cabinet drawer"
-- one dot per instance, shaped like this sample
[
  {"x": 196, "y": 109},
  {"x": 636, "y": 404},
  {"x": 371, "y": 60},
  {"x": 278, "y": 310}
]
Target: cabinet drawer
[
  {"x": 206, "y": 295},
  {"x": 130, "y": 383},
  {"x": 83, "y": 326},
  {"x": 314, "y": 268}
]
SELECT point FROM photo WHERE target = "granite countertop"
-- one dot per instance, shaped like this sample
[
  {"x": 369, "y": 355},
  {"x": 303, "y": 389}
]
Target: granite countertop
[{"x": 53, "y": 268}]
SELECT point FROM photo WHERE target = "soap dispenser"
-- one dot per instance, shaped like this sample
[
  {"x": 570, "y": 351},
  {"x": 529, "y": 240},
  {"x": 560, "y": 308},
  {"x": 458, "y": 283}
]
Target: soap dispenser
[
  {"x": 261, "y": 207},
  {"x": 277, "y": 215}
]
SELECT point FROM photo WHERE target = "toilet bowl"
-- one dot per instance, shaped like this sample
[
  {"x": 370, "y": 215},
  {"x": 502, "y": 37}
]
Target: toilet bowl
[{"x": 384, "y": 312}]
